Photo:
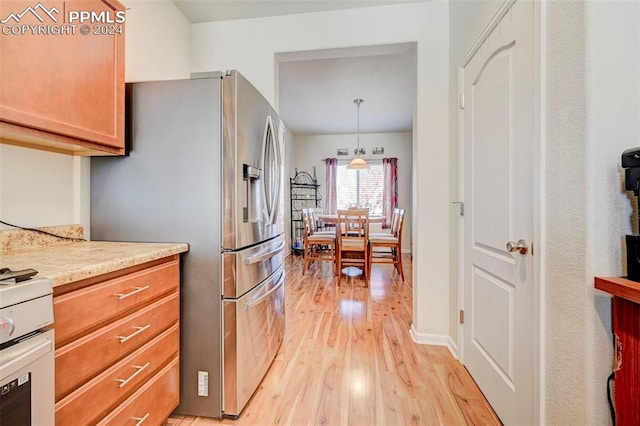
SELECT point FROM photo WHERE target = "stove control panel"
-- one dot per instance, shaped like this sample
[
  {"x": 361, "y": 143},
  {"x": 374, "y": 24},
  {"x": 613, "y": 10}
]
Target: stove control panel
[
  {"x": 25, "y": 307},
  {"x": 7, "y": 327}
]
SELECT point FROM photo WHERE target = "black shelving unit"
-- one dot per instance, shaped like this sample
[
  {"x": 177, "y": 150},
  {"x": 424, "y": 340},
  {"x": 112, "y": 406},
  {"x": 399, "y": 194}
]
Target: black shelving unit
[{"x": 305, "y": 193}]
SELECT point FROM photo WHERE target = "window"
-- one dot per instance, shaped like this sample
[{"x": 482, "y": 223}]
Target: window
[{"x": 362, "y": 188}]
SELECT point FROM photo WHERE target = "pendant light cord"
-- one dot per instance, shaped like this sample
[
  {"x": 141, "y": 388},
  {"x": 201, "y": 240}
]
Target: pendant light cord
[
  {"x": 358, "y": 125},
  {"x": 358, "y": 101}
]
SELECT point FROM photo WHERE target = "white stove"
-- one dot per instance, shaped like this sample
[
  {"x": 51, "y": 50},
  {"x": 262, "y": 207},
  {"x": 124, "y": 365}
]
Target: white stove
[{"x": 26, "y": 352}]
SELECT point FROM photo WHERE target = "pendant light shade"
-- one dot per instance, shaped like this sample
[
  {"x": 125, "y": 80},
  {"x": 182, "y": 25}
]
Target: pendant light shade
[{"x": 358, "y": 163}]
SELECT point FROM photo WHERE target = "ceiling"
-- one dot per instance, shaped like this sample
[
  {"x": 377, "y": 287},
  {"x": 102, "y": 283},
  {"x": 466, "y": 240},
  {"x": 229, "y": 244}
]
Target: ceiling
[
  {"x": 223, "y": 10},
  {"x": 317, "y": 88},
  {"x": 316, "y": 95}
]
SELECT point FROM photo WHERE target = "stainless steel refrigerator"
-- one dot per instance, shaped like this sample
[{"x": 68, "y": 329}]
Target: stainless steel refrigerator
[{"x": 205, "y": 167}]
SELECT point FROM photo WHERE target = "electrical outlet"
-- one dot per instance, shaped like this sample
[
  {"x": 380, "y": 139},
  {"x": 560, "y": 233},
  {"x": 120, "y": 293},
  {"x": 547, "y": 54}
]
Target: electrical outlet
[{"x": 203, "y": 383}]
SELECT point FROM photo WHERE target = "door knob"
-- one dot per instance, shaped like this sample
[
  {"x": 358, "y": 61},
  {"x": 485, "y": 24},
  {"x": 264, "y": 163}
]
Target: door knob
[{"x": 520, "y": 246}]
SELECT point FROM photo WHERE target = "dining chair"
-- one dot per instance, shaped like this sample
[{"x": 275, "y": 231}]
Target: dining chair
[
  {"x": 386, "y": 231},
  {"x": 353, "y": 236},
  {"x": 387, "y": 247},
  {"x": 317, "y": 246},
  {"x": 314, "y": 224}
]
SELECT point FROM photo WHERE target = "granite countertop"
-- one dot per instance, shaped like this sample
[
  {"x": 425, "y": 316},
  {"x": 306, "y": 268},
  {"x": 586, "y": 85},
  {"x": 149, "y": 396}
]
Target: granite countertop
[{"x": 65, "y": 262}]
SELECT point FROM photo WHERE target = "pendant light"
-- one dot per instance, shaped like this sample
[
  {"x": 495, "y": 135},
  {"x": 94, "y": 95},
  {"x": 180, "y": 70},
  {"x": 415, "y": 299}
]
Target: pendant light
[{"x": 358, "y": 163}]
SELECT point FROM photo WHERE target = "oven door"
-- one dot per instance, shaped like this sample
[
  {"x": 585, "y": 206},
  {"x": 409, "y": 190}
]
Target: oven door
[
  {"x": 27, "y": 381},
  {"x": 253, "y": 332}
]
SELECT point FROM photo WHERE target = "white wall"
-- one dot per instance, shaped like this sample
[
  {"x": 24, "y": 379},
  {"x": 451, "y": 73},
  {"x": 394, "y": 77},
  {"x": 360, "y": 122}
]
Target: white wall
[
  {"x": 158, "y": 41},
  {"x": 565, "y": 248},
  {"x": 613, "y": 125},
  {"x": 250, "y": 46},
  {"x": 593, "y": 111},
  {"x": 289, "y": 146},
  {"x": 310, "y": 149},
  {"x": 40, "y": 188}
]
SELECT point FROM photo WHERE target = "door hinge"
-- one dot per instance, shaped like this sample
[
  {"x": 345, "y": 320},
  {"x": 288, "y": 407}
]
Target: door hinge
[
  {"x": 461, "y": 208},
  {"x": 461, "y": 316},
  {"x": 462, "y": 101}
]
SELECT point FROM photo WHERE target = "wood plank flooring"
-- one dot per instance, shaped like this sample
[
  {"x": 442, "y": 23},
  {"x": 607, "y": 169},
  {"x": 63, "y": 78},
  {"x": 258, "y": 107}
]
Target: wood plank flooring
[{"x": 348, "y": 359}]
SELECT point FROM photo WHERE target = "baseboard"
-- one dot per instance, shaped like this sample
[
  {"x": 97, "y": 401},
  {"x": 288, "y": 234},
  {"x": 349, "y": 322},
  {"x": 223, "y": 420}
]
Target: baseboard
[{"x": 434, "y": 339}]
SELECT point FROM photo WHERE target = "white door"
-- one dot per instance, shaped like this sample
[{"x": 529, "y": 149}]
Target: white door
[{"x": 499, "y": 135}]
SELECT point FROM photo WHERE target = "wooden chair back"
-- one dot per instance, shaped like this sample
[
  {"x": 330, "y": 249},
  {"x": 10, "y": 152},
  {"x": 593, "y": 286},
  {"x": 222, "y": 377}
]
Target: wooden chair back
[
  {"x": 388, "y": 248},
  {"x": 397, "y": 219},
  {"x": 317, "y": 246},
  {"x": 312, "y": 218},
  {"x": 353, "y": 241},
  {"x": 353, "y": 226},
  {"x": 306, "y": 223}
]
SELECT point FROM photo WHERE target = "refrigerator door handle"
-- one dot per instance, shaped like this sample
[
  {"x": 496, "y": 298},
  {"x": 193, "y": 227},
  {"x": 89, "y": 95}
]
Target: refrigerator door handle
[
  {"x": 279, "y": 177},
  {"x": 263, "y": 256},
  {"x": 271, "y": 166},
  {"x": 257, "y": 300}
]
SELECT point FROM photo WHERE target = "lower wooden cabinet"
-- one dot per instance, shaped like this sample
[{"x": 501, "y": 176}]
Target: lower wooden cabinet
[
  {"x": 626, "y": 330},
  {"x": 87, "y": 356},
  {"x": 149, "y": 405},
  {"x": 104, "y": 369}
]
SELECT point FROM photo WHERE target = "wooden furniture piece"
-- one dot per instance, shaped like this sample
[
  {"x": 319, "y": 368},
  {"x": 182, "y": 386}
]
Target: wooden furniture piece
[
  {"x": 626, "y": 330},
  {"x": 353, "y": 239},
  {"x": 317, "y": 245},
  {"x": 117, "y": 346},
  {"x": 314, "y": 225},
  {"x": 387, "y": 247},
  {"x": 63, "y": 92},
  {"x": 304, "y": 190},
  {"x": 333, "y": 218}
]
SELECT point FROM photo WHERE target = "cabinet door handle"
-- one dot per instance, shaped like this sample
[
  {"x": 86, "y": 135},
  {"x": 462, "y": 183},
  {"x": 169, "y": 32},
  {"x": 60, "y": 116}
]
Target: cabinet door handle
[
  {"x": 131, "y": 293},
  {"x": 134, "y": 334},
  {"x": 140, "y": 420},
  {"x": 139, "y": 369}
]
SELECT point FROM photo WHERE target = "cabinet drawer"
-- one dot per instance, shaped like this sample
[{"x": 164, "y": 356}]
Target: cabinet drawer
[
  {"x": 84, "y": 358},
  {"x": 96, "y": 398},
  {"x": 153, "y": 402},
  {"x": 81, "y": 310}
]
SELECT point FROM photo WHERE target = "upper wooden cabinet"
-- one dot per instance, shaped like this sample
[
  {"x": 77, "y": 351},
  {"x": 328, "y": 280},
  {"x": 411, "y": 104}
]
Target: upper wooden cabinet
[{"x": 62, "y": 75}]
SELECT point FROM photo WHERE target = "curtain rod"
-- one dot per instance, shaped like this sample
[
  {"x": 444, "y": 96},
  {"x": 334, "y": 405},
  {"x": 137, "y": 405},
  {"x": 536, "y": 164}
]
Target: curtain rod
[{"x": 364, "y": 158}]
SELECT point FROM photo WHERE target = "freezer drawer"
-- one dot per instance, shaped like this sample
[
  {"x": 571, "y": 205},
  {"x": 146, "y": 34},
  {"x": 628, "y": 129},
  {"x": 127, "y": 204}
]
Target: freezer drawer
[
  {"x": 253, "y": 332},
  {"x": 243, "y": 269}
]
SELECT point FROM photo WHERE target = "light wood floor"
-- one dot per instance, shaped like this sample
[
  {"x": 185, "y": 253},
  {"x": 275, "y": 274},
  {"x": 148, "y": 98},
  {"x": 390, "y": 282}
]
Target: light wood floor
[{"x": 347, "y": 359}]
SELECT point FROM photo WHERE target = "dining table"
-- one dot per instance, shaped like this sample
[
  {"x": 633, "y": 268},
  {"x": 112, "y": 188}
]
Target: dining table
[
  {"x": 350, "y": 271},
  {"x": 333, "y": 218}
]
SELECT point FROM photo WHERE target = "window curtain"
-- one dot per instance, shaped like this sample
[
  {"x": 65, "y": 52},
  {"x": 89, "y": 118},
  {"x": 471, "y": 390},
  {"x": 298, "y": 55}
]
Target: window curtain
[
  {"x": 331, "y": 205},
  {"x": 390, "y": 189}
]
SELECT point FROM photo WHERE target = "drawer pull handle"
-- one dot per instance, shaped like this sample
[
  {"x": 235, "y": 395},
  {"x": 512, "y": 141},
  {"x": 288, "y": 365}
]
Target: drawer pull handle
[
  {"x": 134, "y": 334},
  {"x": 131, "y": 293},
  {"x": 140, "y": 420},
  {"x": 139, "y": 369}
]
